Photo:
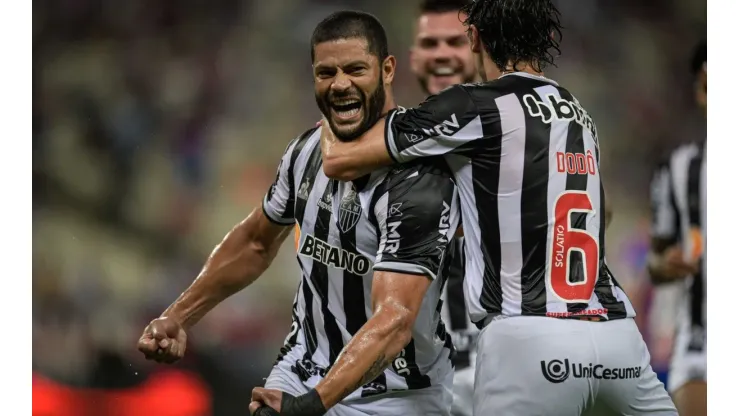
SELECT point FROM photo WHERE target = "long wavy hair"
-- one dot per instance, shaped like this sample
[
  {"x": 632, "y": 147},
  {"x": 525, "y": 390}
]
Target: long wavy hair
[{"x": 517, "y": 31}]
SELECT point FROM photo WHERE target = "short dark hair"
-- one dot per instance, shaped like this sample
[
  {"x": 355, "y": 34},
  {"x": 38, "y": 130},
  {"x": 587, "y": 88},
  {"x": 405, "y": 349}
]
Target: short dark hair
[
  {"x": 517, "y": 30},
  {"x": 442, "y": 6},
  {"x": 348, "y": 24},
  {"x": 699, "y": 58}
]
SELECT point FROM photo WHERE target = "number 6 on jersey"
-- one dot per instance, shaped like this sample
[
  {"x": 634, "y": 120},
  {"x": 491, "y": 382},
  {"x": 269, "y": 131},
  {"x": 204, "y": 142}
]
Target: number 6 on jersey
[{"x": 565, "y": 240}]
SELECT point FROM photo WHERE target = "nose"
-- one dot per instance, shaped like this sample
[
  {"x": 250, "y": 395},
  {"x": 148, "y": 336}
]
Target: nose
[
  {"x": 341, "y": 82},
  {"x": 443, "y": 52}
]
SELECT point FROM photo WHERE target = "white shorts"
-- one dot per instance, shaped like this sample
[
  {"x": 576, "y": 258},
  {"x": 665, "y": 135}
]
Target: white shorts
[
  {"x": 689, "y": 359},
  {"x": 433, "y": 401},
  {"x": 462, "y": 389},
  {"x": 546, "y": 366}
]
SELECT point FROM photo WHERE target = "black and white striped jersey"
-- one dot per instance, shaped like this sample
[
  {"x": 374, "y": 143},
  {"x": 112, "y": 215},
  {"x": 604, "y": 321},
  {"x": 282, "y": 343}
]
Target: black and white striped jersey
[
  {"x": 454, "y": 311},
  {"x": 398, "y": 219},
  {"x": 525, "y": 155},
  {"x": 678, "y": 199}
]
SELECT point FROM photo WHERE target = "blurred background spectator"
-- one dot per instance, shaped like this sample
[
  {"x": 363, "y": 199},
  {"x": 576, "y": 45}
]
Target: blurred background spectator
[{"x": 158, "y": 125}]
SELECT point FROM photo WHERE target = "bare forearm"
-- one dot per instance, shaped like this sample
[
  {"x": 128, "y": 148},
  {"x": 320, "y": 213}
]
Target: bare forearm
[
  {"x": 350, "y": 160},
  {"x": 366, "y": 356},
  {"x": 338, "y": 163},
  {"x": 233, "y": 265}
]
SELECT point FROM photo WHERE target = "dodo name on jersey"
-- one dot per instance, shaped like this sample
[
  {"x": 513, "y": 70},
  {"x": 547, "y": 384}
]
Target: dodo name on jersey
[
  {"x": 576, "y": 163},
  {"x": 332, "y": 256}
]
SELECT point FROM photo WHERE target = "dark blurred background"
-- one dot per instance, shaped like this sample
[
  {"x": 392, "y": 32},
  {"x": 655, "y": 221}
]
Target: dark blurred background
[{"x": 157, "y": 125}]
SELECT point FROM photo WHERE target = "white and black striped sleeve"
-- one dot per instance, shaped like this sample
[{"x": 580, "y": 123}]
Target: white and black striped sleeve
[
  {"x": 416, "y": 215},
  {"x": 442, "y": 124},
  {"x": 664, "y": 227},
  {"x": 278, "y": 204}
]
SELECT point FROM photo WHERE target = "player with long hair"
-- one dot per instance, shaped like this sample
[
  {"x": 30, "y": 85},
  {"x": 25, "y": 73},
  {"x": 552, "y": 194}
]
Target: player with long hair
[{"x": 557, "y": 331}]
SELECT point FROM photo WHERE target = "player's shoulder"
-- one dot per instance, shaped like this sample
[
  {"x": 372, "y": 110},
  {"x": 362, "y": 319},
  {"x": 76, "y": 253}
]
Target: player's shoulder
[
  {"x": 452, "y": 99},
  {"x": 312, "y": 134},
  {"x": 456, "y": 90},
  {"x": 683, "y": 151},
  {"x": 484, "y": 94},
  {"x": 673, "y": 156},
  {"x": 687, "y": 149},
  {"x": 475, "y": 91},
  {"x": 309, "y": 136}
]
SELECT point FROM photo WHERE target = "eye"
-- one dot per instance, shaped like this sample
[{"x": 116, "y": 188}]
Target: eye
[
  {"x": 324, "y": 74},
  {"x": 458, "y": 41},
  {"x": 428, "y": 43},
  {"x": 356, "y": 70}
]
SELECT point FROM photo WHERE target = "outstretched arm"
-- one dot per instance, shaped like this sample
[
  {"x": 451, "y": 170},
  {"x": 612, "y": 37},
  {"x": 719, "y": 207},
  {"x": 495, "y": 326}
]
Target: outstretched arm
[
  {"x": 247, "y": 250},
  {"x": 243, "y": 255}
]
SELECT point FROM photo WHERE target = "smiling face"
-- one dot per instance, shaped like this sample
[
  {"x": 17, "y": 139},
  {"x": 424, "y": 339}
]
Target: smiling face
[
  {"x": 441, "y": 54},
  {"x": 349, "y": 87}
]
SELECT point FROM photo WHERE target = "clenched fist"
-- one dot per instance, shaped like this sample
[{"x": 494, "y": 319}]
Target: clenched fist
[{"x": 163, "y": 341}]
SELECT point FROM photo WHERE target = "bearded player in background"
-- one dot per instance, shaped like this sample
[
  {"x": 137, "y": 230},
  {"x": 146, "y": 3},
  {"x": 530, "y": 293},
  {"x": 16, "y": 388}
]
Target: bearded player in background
[{"x": 440, "y": 57}]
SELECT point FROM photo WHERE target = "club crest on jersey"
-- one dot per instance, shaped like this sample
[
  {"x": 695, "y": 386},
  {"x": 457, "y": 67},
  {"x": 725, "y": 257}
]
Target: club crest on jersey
[{"x": 349, "y": 211}]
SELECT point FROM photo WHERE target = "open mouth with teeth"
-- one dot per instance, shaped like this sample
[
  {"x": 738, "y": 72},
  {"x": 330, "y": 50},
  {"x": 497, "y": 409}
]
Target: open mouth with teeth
[
  {"x": 346, "y": 110},
  {"x": 444, "y": 71}
]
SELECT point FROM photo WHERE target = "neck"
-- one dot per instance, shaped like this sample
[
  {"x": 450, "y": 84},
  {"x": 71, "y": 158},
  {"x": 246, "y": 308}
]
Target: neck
[
  {"x": 494, "y": 72},
  {"x": 390, "y": 103}
]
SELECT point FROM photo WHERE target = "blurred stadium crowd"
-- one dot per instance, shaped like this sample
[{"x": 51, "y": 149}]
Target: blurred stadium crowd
[{"x": 158, "y": 125}]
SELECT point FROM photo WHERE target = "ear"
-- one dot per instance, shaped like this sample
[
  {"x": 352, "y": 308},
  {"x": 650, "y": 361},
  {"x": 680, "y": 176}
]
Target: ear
[
  {"x": 474, "y": 36},
  {"x": 389, "y": 69}
]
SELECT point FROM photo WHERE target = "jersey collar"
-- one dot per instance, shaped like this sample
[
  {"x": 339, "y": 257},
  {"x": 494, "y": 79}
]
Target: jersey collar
[{"x": 531, "y": 76}]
